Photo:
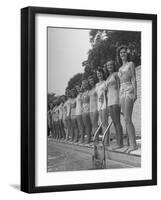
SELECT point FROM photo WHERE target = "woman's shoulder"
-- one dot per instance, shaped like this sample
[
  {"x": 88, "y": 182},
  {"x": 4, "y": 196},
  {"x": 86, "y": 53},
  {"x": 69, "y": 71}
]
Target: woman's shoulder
[
  {"x": 100, "y": 83},
  {"x": 72, "y": 100},
  {"x": 131, "y": 64},
  {"x": 79, "y": 95},
  {"x": 68, "y": 101},
  {"x": 97, "y": 84},
  {"x": 115, "y": 74},
  {"x": 92, "y": 89},
  {"x": 104, "y": 82},
  {"x": 55, "y": 109}
]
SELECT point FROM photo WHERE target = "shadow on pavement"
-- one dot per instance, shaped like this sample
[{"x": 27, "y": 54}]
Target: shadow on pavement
[{"x": 15, "y": 186}]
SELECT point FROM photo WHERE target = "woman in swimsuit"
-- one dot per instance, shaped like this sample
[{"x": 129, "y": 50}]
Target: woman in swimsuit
[
  {"x": 128, "y": 93},
  {"x": 102, "y": 102},
  {"x": 63, "y": 99},
  {"x": 56, "y": 116},
  {"x": 85, "y": 110},
  {"x": 53, "y": 120},
  {"x": 112, "y": 86},
  {"x": 49, "y": 118},
  {"x": 78, "y": 113},
  {"x": 74, "y": 130},
  {"x": 93, "y": 104},
  {"x": 61, "y": 124},
  {"x": 68, "y": 114}
]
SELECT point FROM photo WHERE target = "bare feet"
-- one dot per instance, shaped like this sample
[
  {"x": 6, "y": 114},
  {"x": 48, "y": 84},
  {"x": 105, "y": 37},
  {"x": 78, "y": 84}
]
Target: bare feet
[
  {"x": 125, "y": 151},
  {"x": 118, "y": 147},
  {"x": 132, "y": 149}
]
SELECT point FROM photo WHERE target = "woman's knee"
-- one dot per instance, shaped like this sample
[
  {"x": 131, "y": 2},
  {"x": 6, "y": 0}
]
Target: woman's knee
[
  {"x": 128, "y": 120},
  {"x": 86, "y": 119},
  {"x": 105, "y": 120}
]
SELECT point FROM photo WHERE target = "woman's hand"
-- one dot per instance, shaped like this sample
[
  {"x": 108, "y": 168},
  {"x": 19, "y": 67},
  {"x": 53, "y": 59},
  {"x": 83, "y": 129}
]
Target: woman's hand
[{"x": 135, "y": 97}]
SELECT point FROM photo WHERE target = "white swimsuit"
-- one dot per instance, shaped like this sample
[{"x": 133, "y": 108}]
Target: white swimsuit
[
  {"x": 78, "y": 110},
  {"x": 72, "y": 106},
  {"x": 113, "y": 91},
  {"x": 100, "y": 89}
]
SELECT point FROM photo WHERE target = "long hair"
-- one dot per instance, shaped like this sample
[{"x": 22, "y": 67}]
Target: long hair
[
  {"x": 92, "y": 77},
  {"x": 74, "y": 92},
  {"x": 84, "y": 79},
  {"x": 113, "y": 63},
  {"x": 118, "y": 54},
  {"x": 101, "y": 71},
  {"x": 63, "y": 98}
]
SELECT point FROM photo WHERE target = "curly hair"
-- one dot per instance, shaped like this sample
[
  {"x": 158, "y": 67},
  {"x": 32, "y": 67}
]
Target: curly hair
[
  {"x": 101, "y": 71},
  {"x": 118, "y": 54},
  {"x": 85, "y": 79},
  {"x": 74, "y": 91},
  {"x": 114, "y": 65},
  {"x": 63, "y": 97},
  {"x": 92, "y": 77}
]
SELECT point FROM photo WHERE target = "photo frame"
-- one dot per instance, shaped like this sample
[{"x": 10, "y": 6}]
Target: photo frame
[{"x": 35, "y": 24}]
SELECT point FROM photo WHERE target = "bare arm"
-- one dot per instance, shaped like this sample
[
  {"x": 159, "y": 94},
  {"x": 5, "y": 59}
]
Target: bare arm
[
  {"x": 133, "y": 80},
  {"x": 117, "y": 80}
]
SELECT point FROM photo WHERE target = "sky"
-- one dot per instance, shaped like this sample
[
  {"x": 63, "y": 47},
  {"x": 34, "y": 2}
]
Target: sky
[{"x": 67, "y": 49}]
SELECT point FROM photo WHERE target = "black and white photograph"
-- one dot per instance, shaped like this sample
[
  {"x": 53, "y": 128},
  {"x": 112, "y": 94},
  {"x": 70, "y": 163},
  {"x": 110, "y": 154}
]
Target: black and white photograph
[
  {"x": 93, "y": 99},
  {"x": 89, "y": 91}
]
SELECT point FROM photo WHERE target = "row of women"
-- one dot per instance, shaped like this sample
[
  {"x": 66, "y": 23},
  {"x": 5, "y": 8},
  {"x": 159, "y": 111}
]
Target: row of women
[{"x": 79, "y": 113}]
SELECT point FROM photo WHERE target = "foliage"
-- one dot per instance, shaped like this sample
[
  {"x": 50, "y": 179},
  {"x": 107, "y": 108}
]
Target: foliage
[
  {"x": 105, "y": 43},
  {"x": 51, "y": 97},
  {"x": 76, "y": 79}
]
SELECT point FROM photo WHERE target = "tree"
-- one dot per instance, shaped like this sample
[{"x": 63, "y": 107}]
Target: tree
[
  {"x": 76, "y": 79},
  {"x": 105, "y": 43}
]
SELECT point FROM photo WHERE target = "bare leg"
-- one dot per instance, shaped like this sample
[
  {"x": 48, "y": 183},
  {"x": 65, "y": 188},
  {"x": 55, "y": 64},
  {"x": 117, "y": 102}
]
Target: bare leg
[
  {"x": 68, "y": 127},
  {"x": 87, "y": 125},
  {"x": 72, "y": 129},
  {"x": 65, "y": 128},
  {"x": 52, "y": 129},
  {"x": 128, "y": 108},
  {"x": 62, "y": 129},
  {"x": 57, "y": 130},
  {"x": 104, "y": 119},
  {"x": 94, "y": 122},
  {"x": 76, "y": 132},
  {"x": 66, "y": 132},
  {"x": 117, "y": 123},
  {"x": 60, "y": 133},
  {"x": 80, "y": 128}
]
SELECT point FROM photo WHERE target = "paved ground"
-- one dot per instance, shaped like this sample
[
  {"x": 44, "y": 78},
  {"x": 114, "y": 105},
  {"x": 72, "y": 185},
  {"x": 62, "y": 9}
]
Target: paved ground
[
  {"x": 61, "y": 160},
  {"x": 68, "y": 160}
]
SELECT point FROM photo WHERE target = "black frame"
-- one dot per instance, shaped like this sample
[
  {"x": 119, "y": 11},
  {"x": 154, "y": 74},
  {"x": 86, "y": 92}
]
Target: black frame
[{"x": 28, "y": 98}]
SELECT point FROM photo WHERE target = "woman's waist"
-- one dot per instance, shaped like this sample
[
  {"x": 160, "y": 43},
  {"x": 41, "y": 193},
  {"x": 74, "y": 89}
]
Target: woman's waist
[
  {"x": 126, "y": 87},
  {"x": 125, "y": 83},
  {"x": 112, "y": 96},
  {"x": 93, "y": 104},
  {"x": 64, "y": 115},
  {"x": 78, "y": 109},
  {"x": 73, "y": 111},
  {"x": 112, "y": 92}
]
